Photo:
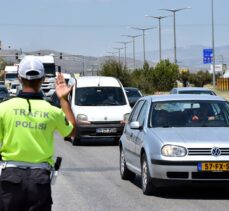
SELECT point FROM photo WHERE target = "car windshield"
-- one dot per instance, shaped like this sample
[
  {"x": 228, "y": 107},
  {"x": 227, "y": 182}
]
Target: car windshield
[
  {"x": 206, "y": 92},
  {"x": 14, "y": 86},
  {"x": 99, "y": 96},
  {"x": 49, "y": 69},
  {"x": 132, "y": 93},
  {"x": 190, "y": 114}
]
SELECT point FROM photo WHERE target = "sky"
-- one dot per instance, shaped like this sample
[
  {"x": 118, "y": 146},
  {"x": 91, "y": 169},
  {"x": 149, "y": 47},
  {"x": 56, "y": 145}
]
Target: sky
[{"x": 94, "y": 27}]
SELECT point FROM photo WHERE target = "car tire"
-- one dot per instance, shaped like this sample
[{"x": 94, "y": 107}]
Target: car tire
[
  {"x": 148, "y": 187},
  {"x": 116, "y": 141},
  {"x": 67, "y": 139},
  {"x": 76, "y": 141},
  {"x": 125, "y": 173}
]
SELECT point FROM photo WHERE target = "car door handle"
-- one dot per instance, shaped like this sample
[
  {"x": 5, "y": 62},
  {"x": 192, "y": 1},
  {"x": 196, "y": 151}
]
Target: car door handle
[{"x": 131, "y": 135}]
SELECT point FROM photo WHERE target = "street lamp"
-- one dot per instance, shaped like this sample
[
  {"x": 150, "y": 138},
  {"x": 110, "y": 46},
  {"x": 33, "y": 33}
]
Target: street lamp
[
  {"x": 124, "y": 43},
  {"x": 159, "y": 29},
  {"x": 143, "y": 35},
  {"x": 213, "y": 43},
  {"x": 133, "y": 37},
  {"x": 119, "y": 49},
  {"x": 174, "y": 28},
  {"x": 112, "y": 53}
]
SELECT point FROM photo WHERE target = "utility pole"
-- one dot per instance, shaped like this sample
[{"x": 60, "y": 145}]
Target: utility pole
[
  {"x": 174, "y": 28},
  {"x": 143, "y": 35},
  {"x": 124, "y": 43},
  {"x": 159, "y": 30},
  {"x": 133, "y": 37},
  {"x": 119, "y": 49},
  {"x": 213, "y": 44}
]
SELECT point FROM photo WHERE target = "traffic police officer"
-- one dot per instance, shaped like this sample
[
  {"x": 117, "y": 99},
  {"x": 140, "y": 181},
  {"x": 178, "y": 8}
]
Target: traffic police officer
[{"x": 27, "y": 126}]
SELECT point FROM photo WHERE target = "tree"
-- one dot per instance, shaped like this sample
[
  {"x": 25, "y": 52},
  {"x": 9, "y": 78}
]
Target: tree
[
  {"x": 117, "y": 70},
  {"x": 200, "y": 78},
  {"x": 184, "y": 77},
  {"x": 143, "y": 80},
  {"x": 165, "y": 75},
  {"x": 2, "y": 67}
]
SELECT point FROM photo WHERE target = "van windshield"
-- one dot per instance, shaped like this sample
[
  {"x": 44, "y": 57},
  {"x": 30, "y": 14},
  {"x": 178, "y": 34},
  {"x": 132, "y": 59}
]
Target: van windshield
[
  {"x": 11, "y": 75},
  {"x": 100, "y": 96}
]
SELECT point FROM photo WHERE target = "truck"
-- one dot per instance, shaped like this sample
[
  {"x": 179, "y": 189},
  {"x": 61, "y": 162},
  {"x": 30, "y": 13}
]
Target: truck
[
  {"x": 48, "y": 86},
  {"x": 10, "y": 75}
]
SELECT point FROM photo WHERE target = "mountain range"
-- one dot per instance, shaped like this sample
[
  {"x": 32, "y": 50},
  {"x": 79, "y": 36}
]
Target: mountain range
[{"x": 188, "y": 57}]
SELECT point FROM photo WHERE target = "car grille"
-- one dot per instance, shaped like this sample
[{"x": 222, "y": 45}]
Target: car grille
[
  {"x": 206, "y": 151},
  {"x": 199, "y": 175},
  {"x": 105, "y": 122},
  {"x": 210, "y": 175}
]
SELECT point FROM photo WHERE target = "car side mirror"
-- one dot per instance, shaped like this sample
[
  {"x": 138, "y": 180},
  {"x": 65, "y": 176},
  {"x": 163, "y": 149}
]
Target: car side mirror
[{"x": 135, "y": 125}]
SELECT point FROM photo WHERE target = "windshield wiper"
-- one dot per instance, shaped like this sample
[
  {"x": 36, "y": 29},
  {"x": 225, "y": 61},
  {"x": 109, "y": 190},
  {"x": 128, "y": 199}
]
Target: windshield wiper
[
  {"x": 166, "y": 126},
  {"x": 110, "y": 103}
]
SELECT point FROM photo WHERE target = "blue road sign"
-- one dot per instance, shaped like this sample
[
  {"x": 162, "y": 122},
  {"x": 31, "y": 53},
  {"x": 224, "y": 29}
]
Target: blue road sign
[{"x": 207, "y": 55}]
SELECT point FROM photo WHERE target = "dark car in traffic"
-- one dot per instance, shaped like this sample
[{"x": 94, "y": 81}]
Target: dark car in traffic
[
  {"x": 133, "y": 94},
  {"x": 4, "y": 94}
]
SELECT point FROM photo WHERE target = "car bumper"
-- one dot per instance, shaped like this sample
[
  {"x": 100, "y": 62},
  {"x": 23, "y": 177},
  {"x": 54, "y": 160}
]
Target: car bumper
[
  {"x": 184, "y": 171},
  {"x": 92, "y": 130}
]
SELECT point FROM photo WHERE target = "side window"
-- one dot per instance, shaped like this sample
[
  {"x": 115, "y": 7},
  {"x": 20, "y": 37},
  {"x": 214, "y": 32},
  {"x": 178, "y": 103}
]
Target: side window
[
  {"x": 143, "y": 112},
  {"x": 135, "y": 112}
]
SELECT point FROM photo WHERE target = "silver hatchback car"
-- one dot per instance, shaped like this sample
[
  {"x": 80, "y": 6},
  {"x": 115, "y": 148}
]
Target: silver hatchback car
[{"x": 182, "y": 138}]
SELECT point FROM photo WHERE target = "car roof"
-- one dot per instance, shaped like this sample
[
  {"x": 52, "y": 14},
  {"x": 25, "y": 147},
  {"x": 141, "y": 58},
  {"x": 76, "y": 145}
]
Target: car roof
[
  {"x": 169, "y": 97},
  {"x": 94, "y": 81},
  {"x": 191, "y": 88},
  {"x": 15, "y": 83},
  {"x": 2, "y": 86}
]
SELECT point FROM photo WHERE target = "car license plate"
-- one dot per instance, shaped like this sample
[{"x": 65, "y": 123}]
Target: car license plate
[
  {"x": 106, "y": 130},
  {"x": 213, "y": 166}
]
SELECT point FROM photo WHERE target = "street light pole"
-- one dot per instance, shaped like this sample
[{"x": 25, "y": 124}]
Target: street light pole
[
  {"x": 133, "y": 37},
  {"x": 213, "y": 43},
  {"x": 124, "y": 43},
  {"x": 174, "y": 28},
  {"x": 119, "y": 49},
  {"x": 143, "y": 35},
  {"x": 159, "y": 29},
  {"x": 112, "y": 53}
]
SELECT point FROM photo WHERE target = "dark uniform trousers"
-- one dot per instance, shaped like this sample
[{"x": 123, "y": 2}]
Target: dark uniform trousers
[{"x": 25, "y": 190}]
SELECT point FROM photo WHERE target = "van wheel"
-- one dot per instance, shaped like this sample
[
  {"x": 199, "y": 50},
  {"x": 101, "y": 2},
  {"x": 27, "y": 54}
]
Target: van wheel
[
  {"x": 76, "y": 141},
  {"x": 148, "y": 188}
]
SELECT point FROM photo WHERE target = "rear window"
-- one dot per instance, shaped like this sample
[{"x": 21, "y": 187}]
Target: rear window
[
  {"x": 100, "y": 96},
  {"x": 133, "y": 93}
]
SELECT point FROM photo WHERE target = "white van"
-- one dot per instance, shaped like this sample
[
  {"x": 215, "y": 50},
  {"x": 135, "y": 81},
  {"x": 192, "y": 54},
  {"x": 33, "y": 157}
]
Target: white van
[{"x": 100, "y": 106}]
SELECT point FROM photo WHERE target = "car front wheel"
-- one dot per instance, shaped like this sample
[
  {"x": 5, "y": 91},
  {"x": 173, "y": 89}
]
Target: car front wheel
[
  {"x": 76, "y": 141},
  {"x": 148, "y": 187},
  {"x": 125, "y": 173}
]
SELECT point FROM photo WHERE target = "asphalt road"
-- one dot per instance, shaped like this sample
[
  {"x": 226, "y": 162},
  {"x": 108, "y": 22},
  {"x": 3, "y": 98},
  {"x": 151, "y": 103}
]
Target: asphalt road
[{"x": 89, "y": 180}]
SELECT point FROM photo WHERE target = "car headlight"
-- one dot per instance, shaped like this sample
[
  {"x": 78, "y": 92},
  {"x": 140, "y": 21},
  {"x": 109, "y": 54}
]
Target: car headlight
[
  {"x": 173, "y": 151},
  {"x": 125, "y": 118},
  {"x": 82, "y": 118}
]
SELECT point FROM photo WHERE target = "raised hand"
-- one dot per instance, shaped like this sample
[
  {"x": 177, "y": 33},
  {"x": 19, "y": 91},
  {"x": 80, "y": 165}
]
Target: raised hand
[{"x": 62, "y": 89}]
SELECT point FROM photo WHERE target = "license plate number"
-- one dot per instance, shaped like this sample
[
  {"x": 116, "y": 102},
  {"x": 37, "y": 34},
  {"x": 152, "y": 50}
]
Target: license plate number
[
  {"x": 106, "y": 130},
  {"x": 213, "y": 166}
]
